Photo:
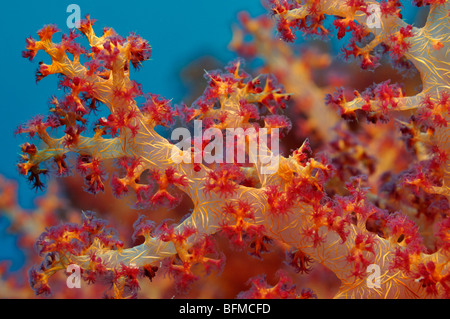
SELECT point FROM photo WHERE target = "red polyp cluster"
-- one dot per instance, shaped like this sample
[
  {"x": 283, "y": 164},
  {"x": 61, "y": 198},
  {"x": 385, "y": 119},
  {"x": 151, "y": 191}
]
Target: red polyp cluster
[
  {"x": 170, "y": 177},
  {"x": 224, "y": 181},
  {"x": 391, "y": 7},
  {"x": 122, "y": 119},
  {"x": 443, "y": 234},
  {"x": 37, "y": 124},
  {"x": 158, "y": 110},
  {"x": 299, "y": 261},
  {"x": 120, "y": 185},
  {"x": 240, "y": 228},
  {"x": 429, "y": 276},
  {"x": 346, "y": 25},
  {"x": 279, "y": 202},
  {"x": 367, "y": 60},
  {"x": 93, "y": 173},
  {"x": 183, "y": 267},
  {"x": 127, "y": 279},
  {"x": 399, "y": 46},
  {"x": 140, "y": 50},
  {"x": 284, "y": 26},
  {"x": 143, "y": 227},
  {"x": 433, "y": 113},
  {"x": 362, "y": 254},
  {"x": 169, "y": 233},
  {"x": 284, "y": 289}
]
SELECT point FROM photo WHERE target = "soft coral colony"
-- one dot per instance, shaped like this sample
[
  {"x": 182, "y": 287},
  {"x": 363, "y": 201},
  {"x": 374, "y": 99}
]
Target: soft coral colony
[{"x": 309, "y": 206}]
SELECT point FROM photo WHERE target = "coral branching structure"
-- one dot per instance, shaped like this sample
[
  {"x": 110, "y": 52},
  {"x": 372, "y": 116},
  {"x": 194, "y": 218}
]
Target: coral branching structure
[{"x": 346, "y": 228}]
